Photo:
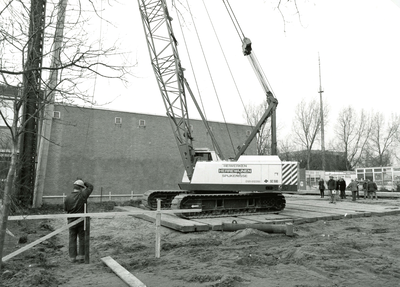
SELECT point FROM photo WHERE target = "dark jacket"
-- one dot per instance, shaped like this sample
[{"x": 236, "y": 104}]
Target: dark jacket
[
  {"x": 321, "y": 184},
  {"x": 331, "y": 184},
  {"x": 75, "y": 201},
  {"x": 372, "y": 186},
  {"x": 341, "y": 185}
]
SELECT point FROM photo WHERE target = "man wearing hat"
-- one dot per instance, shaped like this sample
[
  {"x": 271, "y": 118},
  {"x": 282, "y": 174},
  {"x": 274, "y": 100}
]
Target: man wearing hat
[{"x": 75, "y": 203}]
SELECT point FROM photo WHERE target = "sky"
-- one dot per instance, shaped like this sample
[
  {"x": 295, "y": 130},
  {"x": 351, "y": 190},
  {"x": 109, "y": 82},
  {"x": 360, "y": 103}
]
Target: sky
[{"x": 357, "y": 41}]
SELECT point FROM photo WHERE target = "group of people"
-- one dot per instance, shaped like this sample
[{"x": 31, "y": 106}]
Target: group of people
[{"x": 339, "y": 186}]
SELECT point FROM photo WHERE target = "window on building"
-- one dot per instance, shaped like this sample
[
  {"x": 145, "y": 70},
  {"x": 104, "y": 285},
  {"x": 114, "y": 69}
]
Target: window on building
[
  {"x": 118, "y": 122},
  {"x": 369, "y": 175},
  {"x": 248, "y": 133},
  {"x": 142, "y": 123},
  {"x": 378, "y": 178},
  {"x": 57, "y": 115},
  {"x": 388, "y": 180}
]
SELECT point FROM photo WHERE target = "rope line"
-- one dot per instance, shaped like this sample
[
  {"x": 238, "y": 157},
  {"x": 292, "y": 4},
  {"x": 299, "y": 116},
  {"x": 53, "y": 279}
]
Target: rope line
[
  {"x": 234, "y": 19},
  {"x": 191, "y": 66},
  {"x": 211, "y": 78},
  {"x": 227, "y": 63}
]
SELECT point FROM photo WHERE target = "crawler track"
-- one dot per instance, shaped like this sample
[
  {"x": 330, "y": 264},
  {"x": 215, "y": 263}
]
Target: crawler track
[
  {"x": 216, "y": 205},
  {"x": 150, "y": 197}
]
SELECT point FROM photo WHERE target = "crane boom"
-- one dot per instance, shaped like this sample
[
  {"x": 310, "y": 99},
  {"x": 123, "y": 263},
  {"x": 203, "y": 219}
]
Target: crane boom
[{"x": 162, "y": 46}]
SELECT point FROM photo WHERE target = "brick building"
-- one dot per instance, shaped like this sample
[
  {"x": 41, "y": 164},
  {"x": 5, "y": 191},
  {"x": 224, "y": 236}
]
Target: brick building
[{"x": 121, "y": 152}]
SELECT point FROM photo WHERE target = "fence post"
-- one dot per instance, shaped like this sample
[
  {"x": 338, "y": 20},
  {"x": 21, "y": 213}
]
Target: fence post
[
  {"x": 109, "y": 195},
  {"x": 63, "y": 198},
  {"x": 158, "y": 223},
  {"x": 101, "y": 194},
  {"x": 87, "y": 240}
]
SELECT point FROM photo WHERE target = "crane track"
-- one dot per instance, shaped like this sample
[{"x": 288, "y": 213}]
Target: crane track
[{"x": 216, "y": 205}]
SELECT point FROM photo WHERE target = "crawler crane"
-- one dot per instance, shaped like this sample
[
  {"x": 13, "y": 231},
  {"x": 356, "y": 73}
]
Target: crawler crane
[{"x": 245, "y": 185}]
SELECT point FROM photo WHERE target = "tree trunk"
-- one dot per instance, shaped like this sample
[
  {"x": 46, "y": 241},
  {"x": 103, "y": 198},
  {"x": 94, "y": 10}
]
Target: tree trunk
[{"x": 7, "y": 199}]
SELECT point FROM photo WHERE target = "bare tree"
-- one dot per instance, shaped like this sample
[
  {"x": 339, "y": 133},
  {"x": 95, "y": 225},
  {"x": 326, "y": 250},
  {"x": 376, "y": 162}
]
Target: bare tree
[
  {"x": 307, "y": 124},
  {"x": 263, "y": 138},
  {"x": 78, "y": 59},
  {"x": 352, "y": 132},
  {"x": 383, "y": 138},
  {"x": 285, "y": 149}
]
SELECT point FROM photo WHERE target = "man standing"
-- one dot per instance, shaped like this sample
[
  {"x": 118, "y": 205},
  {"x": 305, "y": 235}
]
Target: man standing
[
  {"x": 321, "y": 184},
  {"x": 341, "y": 185},
  {"x": 75, "y": 203},
  {"x": 354, "y": 188},
  {"x": 366, "y": 188},
  {"x": 332, "y": 189},
  {"x": 372, "y": 190}
]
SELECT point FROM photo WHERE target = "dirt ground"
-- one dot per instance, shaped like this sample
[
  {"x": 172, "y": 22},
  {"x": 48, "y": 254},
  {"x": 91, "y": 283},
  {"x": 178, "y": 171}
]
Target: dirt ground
[{"x": 348, "y": 252}]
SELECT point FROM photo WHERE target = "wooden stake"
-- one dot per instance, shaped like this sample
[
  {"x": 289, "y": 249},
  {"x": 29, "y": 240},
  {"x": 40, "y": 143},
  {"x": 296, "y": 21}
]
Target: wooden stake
[
  {"x": 158, "y": 223},
  {"x": 87, "y": 240},
  {"x": 84, "y": 211}
]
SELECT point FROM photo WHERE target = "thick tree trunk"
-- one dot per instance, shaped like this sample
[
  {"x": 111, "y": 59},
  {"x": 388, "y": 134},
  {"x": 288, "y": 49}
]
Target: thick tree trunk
[{"x": 7, "y": 199}]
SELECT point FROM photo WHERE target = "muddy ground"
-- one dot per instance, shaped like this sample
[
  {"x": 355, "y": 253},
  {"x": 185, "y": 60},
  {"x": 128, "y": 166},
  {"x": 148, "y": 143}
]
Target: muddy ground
[{"x": 348, "y": 252}]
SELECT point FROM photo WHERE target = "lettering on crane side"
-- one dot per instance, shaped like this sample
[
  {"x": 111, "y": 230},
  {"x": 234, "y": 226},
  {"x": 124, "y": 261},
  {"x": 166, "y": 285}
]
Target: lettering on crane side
[
  {"x": 234, "y": 170},
  {"x": 234, "y": 165}
]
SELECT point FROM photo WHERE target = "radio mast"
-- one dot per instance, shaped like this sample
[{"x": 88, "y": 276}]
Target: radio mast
[{"x": 322, "y": 116}]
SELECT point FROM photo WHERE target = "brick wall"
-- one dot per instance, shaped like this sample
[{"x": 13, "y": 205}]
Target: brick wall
[{"x": 123, "y": 157}]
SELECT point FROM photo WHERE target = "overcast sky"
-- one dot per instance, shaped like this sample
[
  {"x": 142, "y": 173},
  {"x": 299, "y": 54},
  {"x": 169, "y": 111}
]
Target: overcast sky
[{"x": 358, "y": 42}]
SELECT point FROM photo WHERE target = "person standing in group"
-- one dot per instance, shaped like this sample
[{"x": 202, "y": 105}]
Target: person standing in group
[
  {"x": 75, "y": 203},
  {"x": 372, "y": 190},
  {"x": 354, "y": 188},
  {"x": 321, "y": 184},
  {"x": 332, "y": 189},
  {"x": 341, "y": 185},
  {"x": 366, "y": 188}
]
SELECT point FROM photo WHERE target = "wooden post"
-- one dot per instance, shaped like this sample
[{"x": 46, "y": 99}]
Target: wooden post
[
  {"x": 101, "y": 194},
  {"x": 289, "y": 229},
  {"x": 87, "y": 240},
  {"x": 84, "y": 211},
  {"x": 158, "y": 223},
  {"x": 109, "y": 195}
]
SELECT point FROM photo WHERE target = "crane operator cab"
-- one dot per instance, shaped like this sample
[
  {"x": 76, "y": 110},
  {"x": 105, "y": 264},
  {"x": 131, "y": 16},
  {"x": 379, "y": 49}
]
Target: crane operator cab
[{"x": 204, "y": 154}]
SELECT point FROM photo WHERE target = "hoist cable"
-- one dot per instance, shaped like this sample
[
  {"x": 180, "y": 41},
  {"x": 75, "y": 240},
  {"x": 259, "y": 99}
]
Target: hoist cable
[
  {"x": 191, "y": 66},
  {"x": 211, "y": 78},
  {"x": 256, "y": 65},
  {"x": 234, "y": 20},
  {"x": 252, "y": 57},
  {"x": 227, "y": 63}
]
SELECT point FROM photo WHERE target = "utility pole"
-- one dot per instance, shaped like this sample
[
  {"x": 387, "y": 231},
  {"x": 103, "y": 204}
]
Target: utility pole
[
  {"x": 48, "y": 111},
  {"x": 322, "y": 116},
  {"x": 32, "y": 97}
]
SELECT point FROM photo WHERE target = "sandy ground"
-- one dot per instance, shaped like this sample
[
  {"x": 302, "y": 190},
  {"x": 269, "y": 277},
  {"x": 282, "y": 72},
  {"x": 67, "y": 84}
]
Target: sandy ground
[{"x": 348, "y": 252}]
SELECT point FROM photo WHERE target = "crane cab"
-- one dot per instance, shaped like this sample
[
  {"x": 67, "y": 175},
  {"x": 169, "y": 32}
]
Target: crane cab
[{"x": 205, "y": 154}]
